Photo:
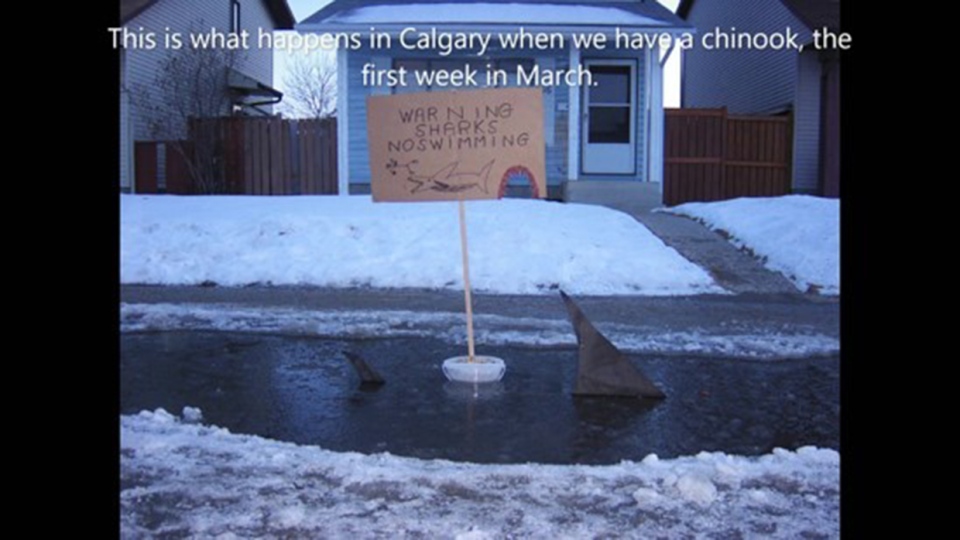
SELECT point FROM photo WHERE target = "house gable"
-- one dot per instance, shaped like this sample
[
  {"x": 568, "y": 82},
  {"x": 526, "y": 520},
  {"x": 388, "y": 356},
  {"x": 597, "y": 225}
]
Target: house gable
[
  {"x": 561, "y": 103},
  {"x": 577, "y": 13}
]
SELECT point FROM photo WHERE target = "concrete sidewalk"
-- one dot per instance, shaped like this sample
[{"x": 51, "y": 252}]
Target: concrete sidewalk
[{"x": 733, "y": 269}]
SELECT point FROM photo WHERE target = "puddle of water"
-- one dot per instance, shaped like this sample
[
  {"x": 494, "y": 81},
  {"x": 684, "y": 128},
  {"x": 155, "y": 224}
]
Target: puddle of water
[{"x": 304, "y": 390}]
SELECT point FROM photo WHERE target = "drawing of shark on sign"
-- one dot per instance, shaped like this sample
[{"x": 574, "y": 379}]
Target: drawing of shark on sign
[{"x": 445, "y": 180}]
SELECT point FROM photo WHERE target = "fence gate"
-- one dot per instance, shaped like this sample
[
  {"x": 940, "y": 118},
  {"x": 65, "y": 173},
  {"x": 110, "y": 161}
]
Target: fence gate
[
  {"x": 271, "y": 156},
  {"x": 710, "y": 155}
]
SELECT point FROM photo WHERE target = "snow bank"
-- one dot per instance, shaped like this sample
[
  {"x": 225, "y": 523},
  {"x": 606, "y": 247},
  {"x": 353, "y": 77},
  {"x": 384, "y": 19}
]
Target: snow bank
[
  {"x": 516, "y": 246},
  {"x": 740, "y": 341},
  {"x": 183, "y": 479},
  {"x": 796, "y": 235}
]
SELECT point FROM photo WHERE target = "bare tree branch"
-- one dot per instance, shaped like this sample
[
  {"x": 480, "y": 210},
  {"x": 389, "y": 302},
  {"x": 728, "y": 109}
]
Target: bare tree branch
[
  {"x": 311, "y": 87},
  {"x": 189, "y": 87}
]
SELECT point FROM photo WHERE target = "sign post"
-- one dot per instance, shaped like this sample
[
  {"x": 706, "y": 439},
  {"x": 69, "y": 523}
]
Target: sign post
[
  {"x": 465, "y": 250},
  {"x": 457, "y": 145}
]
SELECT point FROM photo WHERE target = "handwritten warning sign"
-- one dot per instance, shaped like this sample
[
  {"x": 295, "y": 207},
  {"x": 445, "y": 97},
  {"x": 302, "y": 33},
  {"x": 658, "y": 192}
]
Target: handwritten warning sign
[{"x": 435, "y": 146}]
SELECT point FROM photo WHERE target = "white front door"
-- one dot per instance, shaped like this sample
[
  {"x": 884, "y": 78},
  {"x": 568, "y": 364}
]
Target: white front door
[{"x": 608, "y": 131}]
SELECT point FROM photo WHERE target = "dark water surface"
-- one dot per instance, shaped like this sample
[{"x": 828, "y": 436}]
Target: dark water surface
[{"x": 304, "y": 390}]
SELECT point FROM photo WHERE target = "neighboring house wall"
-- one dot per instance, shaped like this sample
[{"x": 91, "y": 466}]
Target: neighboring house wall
[
  {"x": 758, "y": 82},
  {"x": 140, "y": 67},
  {"x": 126, "y": 141},
  {"x": 806, "y": 124},
  {"x": 745, "y": 81}
]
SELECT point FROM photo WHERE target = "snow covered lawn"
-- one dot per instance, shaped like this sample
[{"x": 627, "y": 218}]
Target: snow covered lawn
[
  {"x": 180, "y": 478},
  {"x": 516, "y": 246},
  {"x": 796, "y": 235}
]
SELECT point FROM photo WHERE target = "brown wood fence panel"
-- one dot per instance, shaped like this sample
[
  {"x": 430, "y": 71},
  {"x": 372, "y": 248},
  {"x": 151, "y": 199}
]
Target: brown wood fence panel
[
  {"x": 145, "y": 170},
  {"x": 318, "y": 156},
  {"x": 260, "y": 156},
  {"x": 710, "y": 156},
  {"x": 308, "y": 134},
  {"x": 289, "y": 157},
  {"x": 178, "y": 172},
  {"x": 236, "y": 162},
  {"x": 148, "y": 167}
]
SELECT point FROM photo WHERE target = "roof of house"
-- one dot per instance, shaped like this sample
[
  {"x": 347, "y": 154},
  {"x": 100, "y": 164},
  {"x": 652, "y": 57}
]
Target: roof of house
[
  {"x": 624, "y": 13},
  {"x": 279, "y": 11},
  {"x": 813, "y": 13}
]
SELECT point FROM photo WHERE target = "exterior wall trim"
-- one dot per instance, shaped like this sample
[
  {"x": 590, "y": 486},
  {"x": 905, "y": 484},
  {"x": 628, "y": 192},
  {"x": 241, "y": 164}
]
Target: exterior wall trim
[
  {"x": 343, "y": 125},
  {"x": 573, "y": 122}
]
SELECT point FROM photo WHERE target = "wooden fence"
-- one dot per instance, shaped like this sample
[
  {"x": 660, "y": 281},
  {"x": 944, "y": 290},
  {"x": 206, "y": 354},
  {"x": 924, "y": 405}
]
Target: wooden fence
[
  {"x": 710, "y": 155},
  {"x": 258, "y": 156}
]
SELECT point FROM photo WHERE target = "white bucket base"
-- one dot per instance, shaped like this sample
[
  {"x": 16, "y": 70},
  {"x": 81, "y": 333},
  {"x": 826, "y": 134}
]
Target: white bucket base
[{"x": 483, "y": 369}]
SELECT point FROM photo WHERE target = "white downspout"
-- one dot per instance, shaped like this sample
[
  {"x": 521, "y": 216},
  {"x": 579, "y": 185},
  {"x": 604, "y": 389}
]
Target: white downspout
[
  {"x": 656, "y": 121},
  {"x": 573, "y": 121},
  {"x": 343, "y": 128}
]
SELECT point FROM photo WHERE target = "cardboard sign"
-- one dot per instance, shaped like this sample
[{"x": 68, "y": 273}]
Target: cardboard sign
[{"x": 450, "y": 145}]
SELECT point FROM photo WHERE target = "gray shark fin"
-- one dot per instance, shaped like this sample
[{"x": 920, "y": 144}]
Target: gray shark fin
[
  {"x": 602, "y": 369},
  {"x": 368, "y": 376}
]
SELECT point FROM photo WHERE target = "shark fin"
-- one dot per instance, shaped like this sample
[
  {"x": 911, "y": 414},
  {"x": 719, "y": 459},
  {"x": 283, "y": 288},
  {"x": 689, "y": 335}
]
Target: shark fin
[{"x": 602, "y": 369}]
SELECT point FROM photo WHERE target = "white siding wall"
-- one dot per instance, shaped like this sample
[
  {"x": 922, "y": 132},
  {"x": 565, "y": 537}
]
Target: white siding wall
[
  {"x": 126, "y": 142},
  {"x": 757, "y": 82},
  {"x": 183, "y": 16},
  {"x": 806, "y": 124}
]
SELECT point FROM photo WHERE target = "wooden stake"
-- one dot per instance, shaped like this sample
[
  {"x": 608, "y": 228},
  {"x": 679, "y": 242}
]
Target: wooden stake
[{"x": 466, "y": 280}]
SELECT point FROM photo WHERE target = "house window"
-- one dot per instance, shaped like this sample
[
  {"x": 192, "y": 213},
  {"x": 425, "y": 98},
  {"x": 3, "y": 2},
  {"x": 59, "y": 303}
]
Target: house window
[
  {"x": 610, "y": 104},
  {"x": 235, "y": 16},
  {"x": 509, "y": 65}
]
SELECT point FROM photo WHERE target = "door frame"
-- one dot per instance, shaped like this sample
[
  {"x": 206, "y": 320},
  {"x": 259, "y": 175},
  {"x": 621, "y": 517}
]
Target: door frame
[{"x": 584, "y": 122}]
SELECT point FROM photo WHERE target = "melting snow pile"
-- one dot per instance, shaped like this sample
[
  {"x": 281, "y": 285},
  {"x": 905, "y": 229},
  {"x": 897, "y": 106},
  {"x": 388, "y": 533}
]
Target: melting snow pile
[
  {"x": 179, "y": 478},
  {"x": 796, "y": 235},
  {"x": 516, "y": 246}
]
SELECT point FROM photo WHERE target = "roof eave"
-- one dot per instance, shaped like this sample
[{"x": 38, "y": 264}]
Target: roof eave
[
  {"x": 130, "y": 9},
  {"x": 396, "y": 28}
]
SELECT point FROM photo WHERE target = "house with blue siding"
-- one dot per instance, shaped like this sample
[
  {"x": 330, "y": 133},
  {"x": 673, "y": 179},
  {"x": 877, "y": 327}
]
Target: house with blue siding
[
  {"x": 805, "y": 84},
  {"x": 247, "y": 85},
  {"x": 607, "y": 131}
]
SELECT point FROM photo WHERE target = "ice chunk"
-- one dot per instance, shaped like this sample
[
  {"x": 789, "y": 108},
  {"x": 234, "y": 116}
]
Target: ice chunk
[
  {"x": 646, "y": 496},
  {"x": 192, "y": 415},
  {"x": 697, "y": 489}
]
